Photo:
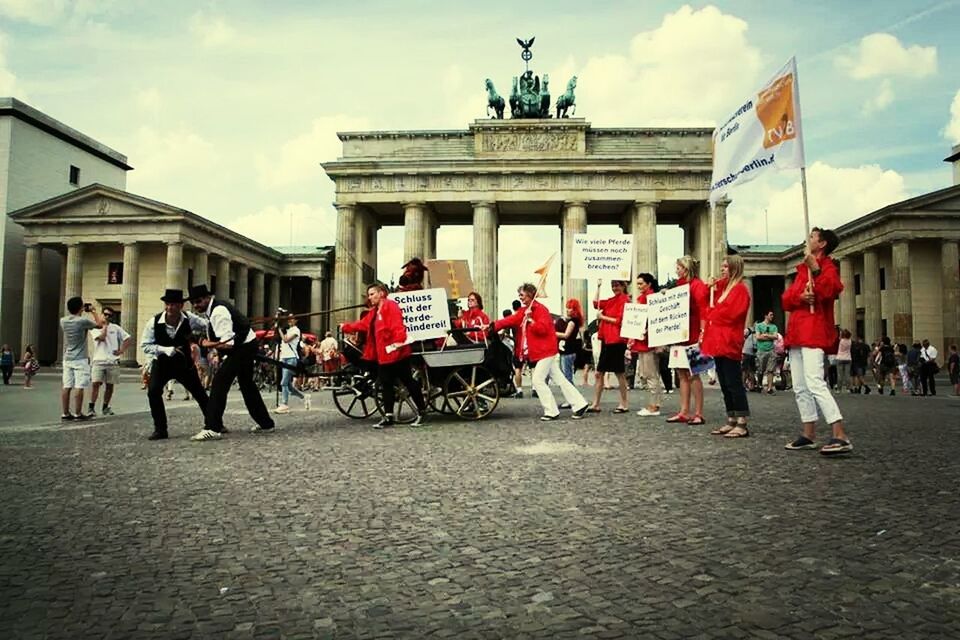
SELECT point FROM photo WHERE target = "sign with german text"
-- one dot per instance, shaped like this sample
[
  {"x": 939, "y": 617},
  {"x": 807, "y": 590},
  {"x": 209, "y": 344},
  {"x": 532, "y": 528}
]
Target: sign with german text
[
  {"x": 668, "y": 316},
  {"x": 605, "y": 256},
  {"x": 425, "y": 313},
  {"x": 634, "y": 323}
]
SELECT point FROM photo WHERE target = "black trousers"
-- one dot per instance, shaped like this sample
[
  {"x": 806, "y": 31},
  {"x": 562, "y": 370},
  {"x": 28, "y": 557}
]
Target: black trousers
[
  {"x": 179, "y": 368},
  {"x": 389, "y": 375},
  {"x": 730, "y": 376},
  {"x": 666, "y": 375},
  {"x": 237, "y": 365},
  {"x": 927, "y": 379},
  {"x": 7, "y": 372}
]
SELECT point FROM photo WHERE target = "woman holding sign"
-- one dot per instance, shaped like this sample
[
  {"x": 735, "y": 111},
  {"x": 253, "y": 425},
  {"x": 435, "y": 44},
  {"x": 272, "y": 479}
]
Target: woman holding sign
[
  {"x": 647, "y": 365},
  {"x": 613, "y": 348},
  {"x": 723, "y": 339},
  {"x": 687, "y": 267}
]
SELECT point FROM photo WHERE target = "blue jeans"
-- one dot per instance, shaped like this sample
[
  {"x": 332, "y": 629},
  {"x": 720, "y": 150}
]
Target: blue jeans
[
  {"x": 566, "y": 365},
  {"x": 286, "y": 382}
]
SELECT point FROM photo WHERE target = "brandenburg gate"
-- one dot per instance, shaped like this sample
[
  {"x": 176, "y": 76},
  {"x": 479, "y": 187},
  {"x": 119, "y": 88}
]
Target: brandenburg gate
[{"x": 545, "y": 171}]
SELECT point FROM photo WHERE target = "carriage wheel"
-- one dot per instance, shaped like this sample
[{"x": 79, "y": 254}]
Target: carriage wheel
[
  {"x": 471, "y": 392},
  {"x": 353, "y": 399}
]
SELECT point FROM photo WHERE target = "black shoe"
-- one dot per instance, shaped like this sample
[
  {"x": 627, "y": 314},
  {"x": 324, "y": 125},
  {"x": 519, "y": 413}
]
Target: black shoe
[
  {"x": 548, "y": 418},
  {"x": 84, "y": 416},
  {"x": 386, "y": 421},
  {"x": 866, "y": 391},
  {"x": 518, "y": 394},
  {"x": 563, "y": 405},
  {"x": 67, "y": 417},
  {"x": 582, "y": 411},
  {"x": 92, "y": 410},
  {"x": 418, "y": 421},
  {"x": 157, "y": 435},
  {"x": 106, "y": 411},
  {"x": 892, "y": 392}
]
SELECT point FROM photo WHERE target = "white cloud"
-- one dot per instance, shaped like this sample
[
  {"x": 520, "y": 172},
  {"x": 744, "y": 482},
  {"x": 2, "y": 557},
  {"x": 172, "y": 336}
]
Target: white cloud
[
  {"x": 288, "y": 224},
  {"x": 212, "y": 31},
  {"x": 50, "y": 12},
  {"x": 952, "y": 131},
  {"x": 163, "y": 157},
  {"x": 881, "y": 100},
  {"x": 149, "y": 101},
  {"x": 300, "y": 157},
  {"x": 689, "y": 71},
  {"x": 8, "y": 81},
  {"x": 882, "y": 55},
  {"x": 837, "y": 195}
]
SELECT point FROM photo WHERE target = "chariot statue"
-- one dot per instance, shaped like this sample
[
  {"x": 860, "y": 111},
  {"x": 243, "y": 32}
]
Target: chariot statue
[{"x": 529, "y": 96}]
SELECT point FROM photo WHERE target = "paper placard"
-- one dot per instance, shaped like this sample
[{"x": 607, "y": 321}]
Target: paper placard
[
  {"x": 425, "y": 313},
  {"x": 451, "y": 275},
  {"x": 601, "y": 256},
  {"x": 634, "y": 323},
  {"x": 668, "y": 316}
]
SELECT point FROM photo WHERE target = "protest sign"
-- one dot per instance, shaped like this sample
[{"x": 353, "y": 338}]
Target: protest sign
[
  {"x": 601, "y": 256},
  {"x": 761, "y": 136},
  {"x": 451, "y": 275},
  {"x": 425, "y": 313},
  {"x": 668, "y": 316},
  {"x": 634, "y": 321}
]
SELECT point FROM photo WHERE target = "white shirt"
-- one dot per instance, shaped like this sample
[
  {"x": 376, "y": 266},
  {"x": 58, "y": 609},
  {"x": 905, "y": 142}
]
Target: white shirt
[
  {"x": 103, "y": 350},
  {"x": 928, "y": 354},
  {"x": 289, "y": 349},
  {"x": 148, "y": 341},
  {"x": 222, "y": 324}
]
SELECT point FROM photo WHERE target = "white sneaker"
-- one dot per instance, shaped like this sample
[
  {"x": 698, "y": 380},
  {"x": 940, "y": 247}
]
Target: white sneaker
[
  {"x": 282, "y": 409},
  {"x": 646, "y": 413},
  {"x": 307, "y": 402},
  {"x": 206, "y": 434}
]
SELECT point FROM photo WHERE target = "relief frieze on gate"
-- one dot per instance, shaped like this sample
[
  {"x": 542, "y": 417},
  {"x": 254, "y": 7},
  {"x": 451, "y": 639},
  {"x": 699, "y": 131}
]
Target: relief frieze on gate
[{"x": 613, "y": 181}]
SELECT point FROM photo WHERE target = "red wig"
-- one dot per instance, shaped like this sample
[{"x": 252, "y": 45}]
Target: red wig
[{"x": 576, "y": 311}]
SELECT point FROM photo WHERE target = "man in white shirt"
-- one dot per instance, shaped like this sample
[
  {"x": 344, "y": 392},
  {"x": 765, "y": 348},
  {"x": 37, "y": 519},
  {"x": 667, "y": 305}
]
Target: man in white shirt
[
  {"x": 928, "y": 368},
  {"x": 230, "y": 333},
  {"x": 109, "y": 343}
]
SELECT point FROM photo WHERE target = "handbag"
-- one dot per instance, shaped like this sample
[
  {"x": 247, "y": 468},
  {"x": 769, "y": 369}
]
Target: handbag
[
  {"x": 32, "y": 366},
  {"x": 698, "y": 361}
]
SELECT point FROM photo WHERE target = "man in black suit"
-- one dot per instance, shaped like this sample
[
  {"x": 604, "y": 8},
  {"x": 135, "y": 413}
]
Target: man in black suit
[{"x": 229, "y": 332}]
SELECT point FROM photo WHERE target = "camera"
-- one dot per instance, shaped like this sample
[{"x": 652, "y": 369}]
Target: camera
[{"x": 88, "y": 307}]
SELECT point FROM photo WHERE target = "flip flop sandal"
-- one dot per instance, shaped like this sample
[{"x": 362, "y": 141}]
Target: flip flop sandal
[
  {"x": 594, "y": 410},
  {"x": 696, "y": 421},
  {"x": 621, "y": 410},
  {"x": 678, "y": 417},
  {"x": 734, "y": 434},
  {"x": 723, "y": 430}
]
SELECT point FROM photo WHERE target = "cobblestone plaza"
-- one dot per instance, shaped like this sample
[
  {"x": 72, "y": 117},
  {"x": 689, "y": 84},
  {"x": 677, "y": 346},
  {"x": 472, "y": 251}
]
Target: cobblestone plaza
[{"x": 610, "y": 527}]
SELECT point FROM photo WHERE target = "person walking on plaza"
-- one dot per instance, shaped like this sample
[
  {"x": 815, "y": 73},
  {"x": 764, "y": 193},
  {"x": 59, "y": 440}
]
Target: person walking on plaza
[
  {"x": 886, "y": 366},
  {"x": 723, "y": 340},
  {"x": 229, "y": 332},
  {"x": 766, "y": 334},
  {"x": 953, "y": 369},
  {"x": 613, "y": 348},
  {"x": 572, "y": 342},
  {"x": 844, "y": 359},
  {"x": 749, "y": 359},
  {"x": 928, "y": 368},
  {"x": 166, "y": 340},
  {"x": 810, "y": 332},
  {"x": 647, "y": 361},
  {"x": 537, "y": 345},
  {"x": 109, "y": 343},
  {"x": 290, "y": 356},
  {"x": 30, "y": 366},
  {"x": 7, "y": 361},
  {"x": 859, "y": 356},
  {"x": 386, "y": 338},
  {"x": 690, "y": 384},
  {"x": 76, "y": 364}
]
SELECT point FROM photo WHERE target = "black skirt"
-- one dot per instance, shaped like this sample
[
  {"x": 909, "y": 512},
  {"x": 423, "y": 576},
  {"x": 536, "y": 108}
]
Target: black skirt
[{"x": 612, "y": 358}]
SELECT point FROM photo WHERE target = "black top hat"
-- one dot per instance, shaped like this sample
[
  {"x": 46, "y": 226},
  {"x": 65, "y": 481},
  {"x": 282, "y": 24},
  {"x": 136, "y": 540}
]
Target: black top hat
[
  {"x": 173, "y": 295},
  {"x": 199, "y": 291}
]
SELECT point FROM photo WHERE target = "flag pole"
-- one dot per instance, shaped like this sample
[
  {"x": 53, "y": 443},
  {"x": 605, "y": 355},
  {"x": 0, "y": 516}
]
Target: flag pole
[
  {"x": 713, "y": 246},
  {"x": 806, "y": 221}
]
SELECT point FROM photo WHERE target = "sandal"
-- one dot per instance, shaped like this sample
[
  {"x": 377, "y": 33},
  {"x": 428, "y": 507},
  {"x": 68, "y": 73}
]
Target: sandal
[
  {"x": 679, "y": 417},
  {"x": 621, "y": 410},
  {"x": 594, "y": 410},
  {"x": 724, "y": 430},
  {"x": 742, "y": 433},
  {"x": 696, "y": 421}
]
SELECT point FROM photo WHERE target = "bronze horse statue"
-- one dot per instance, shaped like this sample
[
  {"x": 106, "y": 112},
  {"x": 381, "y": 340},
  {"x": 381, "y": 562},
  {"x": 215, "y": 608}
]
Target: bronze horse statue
[
  {"x": 494, "y": 101},
  {"x": 567, "y": 100}
]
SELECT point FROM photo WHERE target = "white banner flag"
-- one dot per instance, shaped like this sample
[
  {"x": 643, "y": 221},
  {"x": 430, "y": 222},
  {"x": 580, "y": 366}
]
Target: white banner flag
[{"x": 763, "y": 135}]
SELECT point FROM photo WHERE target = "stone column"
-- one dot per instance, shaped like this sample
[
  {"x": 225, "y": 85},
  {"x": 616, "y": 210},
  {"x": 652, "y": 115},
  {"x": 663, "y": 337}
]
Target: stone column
[
  {"x": 950, "y": 281},
  {"x": 201, "y": 268},
  {"x": 316, "y": 303},
  {"x": 63, "y": 303},
  {"x": 870, "y": 280},
  {"x": 130, "y": 300},
  {"x": 242, "y": 303},
  {"x": 257, "y": 294},
  {"x": 574, "y": 222},
  {"x": 848, "y": 297},
  {"x": 644, "y": 229},
  {"x": 414, "y": 230},
  {"x": 345, "y": 286},
  {"x": 74, "y": 273},
  {"x": 720, "y": 239},
  {"x": 900, "y": 291},
  {"x": 485, "y": 253},
  {"x": 748, "y": 281},
  {"x": 430, "y": 253},
  {"x": 223, "y": 278},
  {"x": 31, "y": 299},
  {"x": 273, "y": 295},
  {"x": 174, "y": 279}
]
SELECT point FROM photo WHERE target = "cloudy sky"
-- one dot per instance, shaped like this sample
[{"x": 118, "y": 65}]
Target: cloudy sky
[{"x": 227, "y": 108}]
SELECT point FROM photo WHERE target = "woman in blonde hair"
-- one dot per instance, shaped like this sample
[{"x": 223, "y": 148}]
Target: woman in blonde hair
[
  {"x": 687, "y": 269},
  {"x": 723, "y": 339}
]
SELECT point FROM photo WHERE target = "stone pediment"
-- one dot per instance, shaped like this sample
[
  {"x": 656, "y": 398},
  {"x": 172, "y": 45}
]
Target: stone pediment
[
  {"x": 944, "y": 200},
  {"x": 92, "y": 203}
]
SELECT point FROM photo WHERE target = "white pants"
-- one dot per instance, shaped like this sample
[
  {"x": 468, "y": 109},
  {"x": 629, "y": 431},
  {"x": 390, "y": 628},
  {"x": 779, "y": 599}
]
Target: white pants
[
  {"x": 810, "y": 388},
  {"x": 549, "y": 367}
]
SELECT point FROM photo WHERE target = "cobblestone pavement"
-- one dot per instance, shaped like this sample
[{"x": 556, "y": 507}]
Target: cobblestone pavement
[{"x": 606, "y": 528}]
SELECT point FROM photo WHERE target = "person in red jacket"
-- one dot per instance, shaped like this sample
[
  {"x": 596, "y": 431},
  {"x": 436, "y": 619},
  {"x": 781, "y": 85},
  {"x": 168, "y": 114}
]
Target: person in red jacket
[
  {"x": 613, "y": 348},
  {"x": 687, "y": 268},
  {"x": 384, "y": 328},
  {"x": 723, "y": 340},
  {"x": 647, "y": 364},
  {"x": 810, "y": 333},
  {"x": 537, "y": 344},
  {"x": 474, "y": 316},
  {"x": 368, "y": 357}
]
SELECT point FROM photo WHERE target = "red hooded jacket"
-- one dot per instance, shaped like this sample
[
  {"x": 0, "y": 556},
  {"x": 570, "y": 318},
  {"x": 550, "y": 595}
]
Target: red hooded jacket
[
  {"x": 388, "y": 329},
  {"x": 609, "y": 332},
  {"x": 699, "y": 299},
  {"x": 540, "y": 334},
  {"x": 363, "y": 326},
  {"x": 723, "y": 333},
  {"x": 813, "y": 330},
  {"x": 473, "y": 318}
]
